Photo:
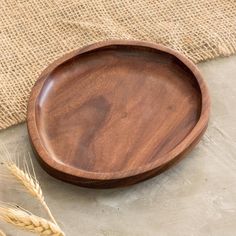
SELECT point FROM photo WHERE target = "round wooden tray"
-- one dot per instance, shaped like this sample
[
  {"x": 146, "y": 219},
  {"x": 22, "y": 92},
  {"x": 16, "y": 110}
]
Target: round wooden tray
[{"x": 116, "y": 113}]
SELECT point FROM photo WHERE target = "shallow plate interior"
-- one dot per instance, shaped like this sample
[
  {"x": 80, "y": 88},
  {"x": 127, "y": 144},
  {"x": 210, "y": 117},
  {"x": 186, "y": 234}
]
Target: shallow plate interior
[{"x": 116, "y": 108}]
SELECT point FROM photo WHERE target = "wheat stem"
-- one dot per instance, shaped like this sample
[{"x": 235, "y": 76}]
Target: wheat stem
[{"x": 44, "y": 204}]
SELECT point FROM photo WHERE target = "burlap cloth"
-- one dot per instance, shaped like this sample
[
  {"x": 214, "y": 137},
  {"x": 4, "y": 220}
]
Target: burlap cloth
[{"x": 34, "y": 33}]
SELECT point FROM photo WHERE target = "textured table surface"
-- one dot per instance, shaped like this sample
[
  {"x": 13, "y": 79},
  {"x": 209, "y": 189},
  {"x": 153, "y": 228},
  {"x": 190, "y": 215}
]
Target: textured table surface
[{"x": 196, "y": 197}]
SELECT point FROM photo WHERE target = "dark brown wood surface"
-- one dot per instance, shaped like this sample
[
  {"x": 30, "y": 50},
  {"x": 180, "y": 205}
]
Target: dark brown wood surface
[{"x": 115, "y": 113}]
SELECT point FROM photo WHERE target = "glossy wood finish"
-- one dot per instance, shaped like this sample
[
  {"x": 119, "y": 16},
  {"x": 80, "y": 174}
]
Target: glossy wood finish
[{"x": 115, "y": 113}]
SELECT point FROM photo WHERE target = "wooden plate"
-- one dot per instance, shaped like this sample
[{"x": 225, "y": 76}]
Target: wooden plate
[{"x": 116, "y": 113}]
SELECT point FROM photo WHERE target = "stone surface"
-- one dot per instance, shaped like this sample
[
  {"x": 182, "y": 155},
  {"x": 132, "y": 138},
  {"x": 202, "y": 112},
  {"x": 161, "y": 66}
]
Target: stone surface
[{"x": 195, "y": 198}]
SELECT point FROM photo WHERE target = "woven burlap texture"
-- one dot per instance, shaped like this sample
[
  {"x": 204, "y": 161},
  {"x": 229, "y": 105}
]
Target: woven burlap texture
[{"x": 34, "y": 33}]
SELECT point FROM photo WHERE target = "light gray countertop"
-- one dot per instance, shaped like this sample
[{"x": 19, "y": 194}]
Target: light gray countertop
[{"x": 197, "y": 197}]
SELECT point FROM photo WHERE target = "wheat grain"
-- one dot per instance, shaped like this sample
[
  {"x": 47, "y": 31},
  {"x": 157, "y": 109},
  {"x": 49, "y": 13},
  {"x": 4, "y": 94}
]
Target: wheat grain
[{"x": 27, "y": 221}]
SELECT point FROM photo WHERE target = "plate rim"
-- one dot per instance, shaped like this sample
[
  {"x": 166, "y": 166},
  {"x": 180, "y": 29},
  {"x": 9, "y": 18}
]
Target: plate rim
[{"x": 66, "y": 170}]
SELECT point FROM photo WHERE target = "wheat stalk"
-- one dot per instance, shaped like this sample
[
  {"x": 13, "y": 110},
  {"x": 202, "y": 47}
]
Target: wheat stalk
[
  {"x": 2, "y": 233},
  {"x": 28, "y": 221}
]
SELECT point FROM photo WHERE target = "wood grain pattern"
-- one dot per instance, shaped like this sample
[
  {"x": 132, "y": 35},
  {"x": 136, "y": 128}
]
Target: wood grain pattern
[{"x": 115, "y": 113}]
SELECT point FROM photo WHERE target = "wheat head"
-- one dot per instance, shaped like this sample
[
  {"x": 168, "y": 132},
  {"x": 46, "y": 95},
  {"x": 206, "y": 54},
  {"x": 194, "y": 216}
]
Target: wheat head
[
  {"x": 28, "y": 179},
  {"x": 24, "y": 176},
  {"x": 28, "y": 221},
  {"x": 30, "y": 184}
]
